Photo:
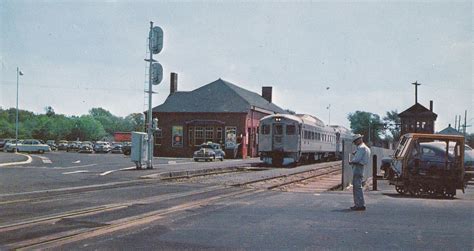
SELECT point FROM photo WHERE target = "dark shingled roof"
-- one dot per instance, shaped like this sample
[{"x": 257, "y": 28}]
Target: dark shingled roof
[
  {"x": 218, "y": 96},
  {"x": 450, "y": 131},
  {"x": 418, "y": 110}
]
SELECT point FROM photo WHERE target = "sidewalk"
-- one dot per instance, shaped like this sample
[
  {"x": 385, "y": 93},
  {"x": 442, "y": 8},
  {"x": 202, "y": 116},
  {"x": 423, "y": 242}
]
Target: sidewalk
[{"x": 12, "y": 158}]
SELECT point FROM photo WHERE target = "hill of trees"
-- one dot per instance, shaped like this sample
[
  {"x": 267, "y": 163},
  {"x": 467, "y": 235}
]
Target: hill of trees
[{"x": 96, "y": 125}]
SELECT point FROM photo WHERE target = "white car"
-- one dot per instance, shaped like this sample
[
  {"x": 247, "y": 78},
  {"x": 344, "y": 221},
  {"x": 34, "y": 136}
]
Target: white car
[{"x": 28, "y": 145}]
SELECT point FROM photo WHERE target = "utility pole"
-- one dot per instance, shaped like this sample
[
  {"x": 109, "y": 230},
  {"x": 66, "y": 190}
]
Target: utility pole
[{"x": 416, "y": 84}]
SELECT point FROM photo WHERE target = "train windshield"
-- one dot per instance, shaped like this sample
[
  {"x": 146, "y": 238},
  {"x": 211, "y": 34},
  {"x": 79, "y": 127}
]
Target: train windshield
[
  {"x": 290, "y": 130},
  {"x": 278, "y": 129}
]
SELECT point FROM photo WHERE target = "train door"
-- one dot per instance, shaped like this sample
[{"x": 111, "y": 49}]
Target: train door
[{"x": 277, "y": 139}]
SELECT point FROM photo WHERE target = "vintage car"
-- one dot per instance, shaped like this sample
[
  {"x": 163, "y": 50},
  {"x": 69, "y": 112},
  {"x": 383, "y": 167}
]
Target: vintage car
[
  {"x": 102, "y": 147},
  {"x": 117, "y": 148},
  {"x": 73, "y": 146},
  {"x": 3, "y": 142},
  {"x": 127, "y": 148},
  {"x": 51, "y": 143},
  {"x": 85, "y": 148},
  {"x": 28, "y": 145},
  {"x": 209, "y": 152},
  {"x": 62, "y": 145}
]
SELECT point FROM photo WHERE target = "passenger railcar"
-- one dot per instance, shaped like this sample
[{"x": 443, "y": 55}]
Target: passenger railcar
[{"x": 285, "y": 139}]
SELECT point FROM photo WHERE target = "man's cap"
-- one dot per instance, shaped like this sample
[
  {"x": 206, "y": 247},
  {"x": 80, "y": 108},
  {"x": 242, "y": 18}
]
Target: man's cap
[{"x": 356, "y": 137}]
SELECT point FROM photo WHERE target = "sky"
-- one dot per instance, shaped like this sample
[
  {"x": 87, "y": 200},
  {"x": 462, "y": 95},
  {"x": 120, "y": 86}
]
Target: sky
[{"x": 76, "y": 55}]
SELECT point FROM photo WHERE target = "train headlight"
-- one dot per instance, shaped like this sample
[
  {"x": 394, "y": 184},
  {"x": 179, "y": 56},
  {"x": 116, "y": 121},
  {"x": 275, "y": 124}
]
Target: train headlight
[{"x": 277, "y": 119}]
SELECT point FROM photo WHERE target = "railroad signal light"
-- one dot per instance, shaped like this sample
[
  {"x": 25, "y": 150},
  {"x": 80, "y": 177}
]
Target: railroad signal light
[
  {"x": 156, "y": 73},
  {"x": 156, "y": 40}
]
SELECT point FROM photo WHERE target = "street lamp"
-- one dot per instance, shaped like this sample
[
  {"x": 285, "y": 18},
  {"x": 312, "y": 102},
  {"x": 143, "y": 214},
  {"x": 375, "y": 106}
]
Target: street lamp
[
  {"x": 329, "y": 107},
  {"x": 18, "y": 74}
]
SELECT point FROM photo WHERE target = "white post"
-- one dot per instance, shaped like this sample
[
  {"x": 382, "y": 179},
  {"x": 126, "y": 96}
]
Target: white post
[{"x": 16, "y": 123}]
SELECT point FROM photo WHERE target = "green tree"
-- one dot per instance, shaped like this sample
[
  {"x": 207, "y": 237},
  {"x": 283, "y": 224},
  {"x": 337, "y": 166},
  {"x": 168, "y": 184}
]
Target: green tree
[
  {"x": 136, "y": 121},
  {"x": 87, "y": 128},
  {"x": 392, "y": 122},
  {"x": 367, "y": 123}
]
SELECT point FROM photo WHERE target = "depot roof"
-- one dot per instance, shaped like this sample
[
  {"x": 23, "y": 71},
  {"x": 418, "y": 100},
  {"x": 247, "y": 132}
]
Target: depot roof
[{"x": 218, "y": 96}]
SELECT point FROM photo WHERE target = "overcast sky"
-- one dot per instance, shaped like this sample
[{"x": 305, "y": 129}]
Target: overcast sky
[{"x": 77, "y": 55}]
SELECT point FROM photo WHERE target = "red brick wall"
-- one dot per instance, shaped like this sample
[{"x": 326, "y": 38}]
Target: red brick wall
[{"x": 243, "y": 122}]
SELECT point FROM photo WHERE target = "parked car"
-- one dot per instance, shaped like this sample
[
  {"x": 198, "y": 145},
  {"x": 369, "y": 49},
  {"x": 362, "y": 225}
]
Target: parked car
[
  {"x": 86, "y": 148},
  {"x": 102, "y": 147},
  {"x": 116, "y": 149},
  {"x": 3, "y": 142},
  {"x": 51, "y": 143},
  {"x": 10, "y": 145},
  {"x": 29, "y": 145},
  {"x": 73, "y": 146},
  {"x": 62, "y": 145},
  {"x": 127, "y": 148},
  {"x": 209, "y": 152}
]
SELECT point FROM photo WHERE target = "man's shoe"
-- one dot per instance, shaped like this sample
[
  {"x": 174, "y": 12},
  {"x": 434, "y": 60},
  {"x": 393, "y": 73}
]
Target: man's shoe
[{"x": 354, "y": 208}]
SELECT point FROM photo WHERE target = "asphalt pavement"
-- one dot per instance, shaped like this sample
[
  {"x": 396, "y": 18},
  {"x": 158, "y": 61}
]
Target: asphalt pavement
[{"x": 11, "y": 158}]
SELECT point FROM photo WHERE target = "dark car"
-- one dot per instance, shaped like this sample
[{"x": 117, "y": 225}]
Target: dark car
[
  {"x": 127, "y": 148},
  {"x": 73, "y": 146},
  {"x": 85, "y": 148},
  {"x": 116, "y": 149},
  {"x": 3, "y": 142},
  {"x": 52, "y": 144},
  {"x": 208, "y": 152}
]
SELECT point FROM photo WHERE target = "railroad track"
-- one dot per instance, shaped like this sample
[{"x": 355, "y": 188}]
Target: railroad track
[
  {"x": 294, "y": 178},
  {"x": 56, "y": 230}
]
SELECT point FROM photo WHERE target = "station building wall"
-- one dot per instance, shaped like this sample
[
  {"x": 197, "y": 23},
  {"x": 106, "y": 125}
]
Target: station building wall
[{"x": 182, "y": 133}]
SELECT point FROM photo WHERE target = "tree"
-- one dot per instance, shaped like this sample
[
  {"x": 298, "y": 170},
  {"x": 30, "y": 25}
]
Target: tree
[
  {"x": 392, "y": 121},
  {"x": 470, "y": 139},
  {"x": 87, "y": 128},
  {"x": 137, "y": 121},
  {"x": 367, "y": 124},
  {"x": 49, "y": 111}
]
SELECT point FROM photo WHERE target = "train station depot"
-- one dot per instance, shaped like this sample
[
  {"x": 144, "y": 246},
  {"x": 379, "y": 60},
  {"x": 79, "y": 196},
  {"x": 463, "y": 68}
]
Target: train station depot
[{"x": 220, "y": 112}]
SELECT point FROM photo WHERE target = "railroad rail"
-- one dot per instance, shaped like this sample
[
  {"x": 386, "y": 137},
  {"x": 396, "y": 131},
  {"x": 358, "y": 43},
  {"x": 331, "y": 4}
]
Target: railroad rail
[{"x": 56, "y": 230}]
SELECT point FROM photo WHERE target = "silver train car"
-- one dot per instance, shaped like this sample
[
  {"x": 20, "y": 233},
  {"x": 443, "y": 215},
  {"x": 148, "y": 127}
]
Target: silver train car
[{"x": 291, "y": 139}]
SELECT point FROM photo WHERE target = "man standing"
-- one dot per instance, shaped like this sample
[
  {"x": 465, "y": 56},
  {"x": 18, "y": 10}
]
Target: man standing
[{"x": 358, "y": 162}]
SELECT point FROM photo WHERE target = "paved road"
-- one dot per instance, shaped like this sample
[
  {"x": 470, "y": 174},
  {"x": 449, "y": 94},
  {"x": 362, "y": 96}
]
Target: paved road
[
  {"x": 166, "y": 215},
  {"x": 119, "y": 211},
  {"x": 58, "y": 170}
]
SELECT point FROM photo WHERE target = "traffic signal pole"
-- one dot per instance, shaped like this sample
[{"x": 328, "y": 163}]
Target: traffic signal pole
[{"x": 149, "y": 163}]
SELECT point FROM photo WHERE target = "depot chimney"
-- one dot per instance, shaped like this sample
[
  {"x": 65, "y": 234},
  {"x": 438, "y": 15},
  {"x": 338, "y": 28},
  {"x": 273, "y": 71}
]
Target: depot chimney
[
  {"x": 431, "y": 105},
  {"x": 173, "y": 83},
  {"x": 267, "y": 93}
]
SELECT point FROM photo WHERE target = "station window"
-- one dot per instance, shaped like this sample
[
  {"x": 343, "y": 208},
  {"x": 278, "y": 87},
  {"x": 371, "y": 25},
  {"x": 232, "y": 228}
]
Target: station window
[
  {"x": 209, "y": 134},
  {"x": 158, "y": 137},
  {"x": 219, "y": 135},
  {"x": 265, "y": 129},
  {"x": 290, "y": 130},
  {"x": 198, "y": 136}
]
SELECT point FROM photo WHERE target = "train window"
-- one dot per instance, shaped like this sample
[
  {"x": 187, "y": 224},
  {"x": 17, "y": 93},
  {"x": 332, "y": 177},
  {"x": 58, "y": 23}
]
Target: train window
[
  {"x": 290, "y": 130},
  {"x": 278, "y": 129},
  {"x": 265, "y": 129}
]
